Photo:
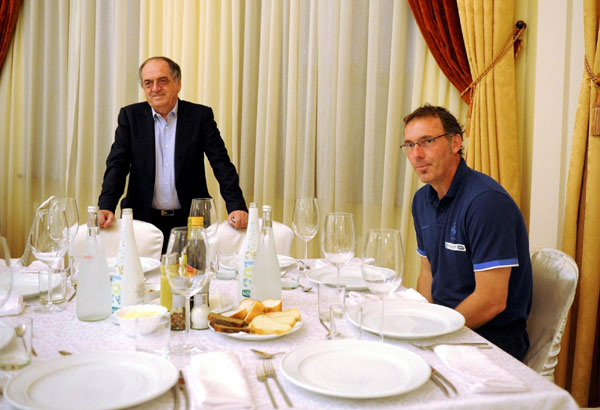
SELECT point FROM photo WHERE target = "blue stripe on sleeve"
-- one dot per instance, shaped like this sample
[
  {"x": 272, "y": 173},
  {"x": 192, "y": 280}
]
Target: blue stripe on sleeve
[
  {"x": 420, "y": 252},
  {"x": 501, "y": 263}
]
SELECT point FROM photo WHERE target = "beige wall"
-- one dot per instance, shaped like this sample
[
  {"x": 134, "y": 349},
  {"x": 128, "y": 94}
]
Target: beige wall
[{"x": 553, "y": 78}]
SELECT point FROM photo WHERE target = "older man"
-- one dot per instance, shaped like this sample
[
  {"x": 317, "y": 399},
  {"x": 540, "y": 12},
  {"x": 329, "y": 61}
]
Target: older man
[
  {"x": 161, "y": 145},
  {"x": 470, "y": 234}
]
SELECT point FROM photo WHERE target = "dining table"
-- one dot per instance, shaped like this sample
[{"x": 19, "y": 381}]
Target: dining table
[{"x": 63, "y": 332}]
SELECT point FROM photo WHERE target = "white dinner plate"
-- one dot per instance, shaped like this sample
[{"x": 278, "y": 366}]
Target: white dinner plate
[
  {"x": 253, "y": 337},
  {"x": 27, "y": 284},
  {"x": 285, "y": 261},
  {"x": 349, "y": 275},
  {"x": 408, "y": 320},
  {"x": 7, "y": 333},
  {"x": 355, "y": 369},
  {"x": 92, "y": 380},
  {"x": 148, "y": 264}
]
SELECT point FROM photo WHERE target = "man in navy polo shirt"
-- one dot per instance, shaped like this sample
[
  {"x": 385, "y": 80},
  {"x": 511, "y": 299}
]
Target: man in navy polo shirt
[{"x": 470, "y": 234}]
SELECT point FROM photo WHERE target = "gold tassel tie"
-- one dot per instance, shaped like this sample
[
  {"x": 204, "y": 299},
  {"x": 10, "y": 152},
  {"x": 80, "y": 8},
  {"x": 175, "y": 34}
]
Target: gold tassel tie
[
  {"x": 596, "y": 110},
  {"x": 512, "y": 41}
]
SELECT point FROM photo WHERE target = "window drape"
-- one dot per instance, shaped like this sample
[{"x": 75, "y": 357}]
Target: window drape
[
  {"x": 493, "y": 146},
  {"x": 9, "y": 11},
  {"x": 580, "y": 374},
  {"x": 440, "y": 26}
]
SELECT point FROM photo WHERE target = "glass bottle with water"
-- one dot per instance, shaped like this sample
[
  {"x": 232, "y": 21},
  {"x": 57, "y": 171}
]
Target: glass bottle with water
[
  {"x": 247, "y": 254},
  {"x": 93, "y": 287},
  {"x": 266, "y": 275},
  {"x": 128, "y": 280}
]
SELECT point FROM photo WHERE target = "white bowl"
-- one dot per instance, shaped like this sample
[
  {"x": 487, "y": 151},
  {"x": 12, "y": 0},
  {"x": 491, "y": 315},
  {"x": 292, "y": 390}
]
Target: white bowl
[{"x": 147, "y": 316}]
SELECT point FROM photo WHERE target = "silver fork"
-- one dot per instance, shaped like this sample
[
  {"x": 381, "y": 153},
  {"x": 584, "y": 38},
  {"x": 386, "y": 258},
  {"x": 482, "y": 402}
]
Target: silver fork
[
  {"x": 270, "y": 372},
  {"x": 260, "y": 375},
  {"x": 441, "y": 381},
  {"x": 479, "y": 345}
]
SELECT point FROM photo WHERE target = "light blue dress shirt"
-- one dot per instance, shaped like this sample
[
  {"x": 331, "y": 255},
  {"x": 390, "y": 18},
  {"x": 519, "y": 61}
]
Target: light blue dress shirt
[{"x": 165, "y": 193}]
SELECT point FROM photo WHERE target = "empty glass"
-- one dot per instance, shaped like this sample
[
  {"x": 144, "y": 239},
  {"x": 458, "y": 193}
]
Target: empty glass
[
  {"x": 338, "y": 241},
  {"x": 5, "y": 271},
  {"x": 382, "y": 264},
  {"x": 305, "y": 222}
]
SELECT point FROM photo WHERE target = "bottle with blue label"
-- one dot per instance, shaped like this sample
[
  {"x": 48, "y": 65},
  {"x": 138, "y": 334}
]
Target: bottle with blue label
[{"x": 247, "y": 254}]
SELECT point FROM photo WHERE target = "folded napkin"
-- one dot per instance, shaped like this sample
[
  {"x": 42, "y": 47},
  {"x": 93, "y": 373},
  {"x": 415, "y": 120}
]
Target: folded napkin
[
  {"x": 13, "y": 306},
  {"x": 477, "y": 370},
  {"x": 35, "y": 266},
  {"x": 403, "y": 293},
  {"x": 216, "y": 381}
]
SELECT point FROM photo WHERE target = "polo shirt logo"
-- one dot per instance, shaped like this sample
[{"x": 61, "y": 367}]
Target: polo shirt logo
[{"x": 459, "y": 247}]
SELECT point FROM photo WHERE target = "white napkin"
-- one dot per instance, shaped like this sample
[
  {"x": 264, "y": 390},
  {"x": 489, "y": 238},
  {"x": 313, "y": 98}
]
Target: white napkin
[
  {"x": 477, "y": 370},
  {"x": 407, "y": 294},
  {"x": 217, "y": 381},
  {"x": 35, "y": 266},
  {"x": 13, "y": 306}
]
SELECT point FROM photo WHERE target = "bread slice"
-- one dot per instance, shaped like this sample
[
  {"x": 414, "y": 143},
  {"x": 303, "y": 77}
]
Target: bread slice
[
  {"x": 288, "y": 317},
  {"x": 272, "y": 305},
  {"x": 225, "y": 320},
  {"x": 243, "y": 309},
  {"x": 229, "y": 329},
  {"x": 264, "y": 325},
  {"x": 257, "y": 308}
]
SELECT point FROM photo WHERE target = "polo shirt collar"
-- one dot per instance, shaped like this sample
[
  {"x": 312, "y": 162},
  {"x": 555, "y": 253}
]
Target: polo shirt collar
[{"x": 459, "y": 176}]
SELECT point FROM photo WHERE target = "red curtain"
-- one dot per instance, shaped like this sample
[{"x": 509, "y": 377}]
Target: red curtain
[
  {"x": 9, "y": 11},
  {"x": 440, "y": 25}
]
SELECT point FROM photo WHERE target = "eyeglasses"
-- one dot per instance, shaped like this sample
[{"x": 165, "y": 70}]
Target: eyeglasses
[
  {"x": 161, "y": 82},
  {"x": 424, "y": 143}
]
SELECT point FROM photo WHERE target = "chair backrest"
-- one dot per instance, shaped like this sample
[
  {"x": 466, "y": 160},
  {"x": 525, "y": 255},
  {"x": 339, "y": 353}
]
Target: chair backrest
[
  {"x": 148, "y": 238},
  {"x": 554, "y": 281},
  {"x": 230, "y": 239}
]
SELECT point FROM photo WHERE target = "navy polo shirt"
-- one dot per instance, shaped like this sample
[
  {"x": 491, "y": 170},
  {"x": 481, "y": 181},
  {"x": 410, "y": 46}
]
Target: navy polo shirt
[{"x": 476, "y": 226}]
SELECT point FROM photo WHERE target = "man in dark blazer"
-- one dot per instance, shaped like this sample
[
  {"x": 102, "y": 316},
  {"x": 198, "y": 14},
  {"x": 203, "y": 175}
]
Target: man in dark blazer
[{"x": 161, "y": 145}]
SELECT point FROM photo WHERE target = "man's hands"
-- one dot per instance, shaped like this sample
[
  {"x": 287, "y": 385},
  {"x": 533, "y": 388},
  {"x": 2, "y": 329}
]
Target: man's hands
[
  {"x": 105, "y": 218},
  {"x": 238, "y": 219}
]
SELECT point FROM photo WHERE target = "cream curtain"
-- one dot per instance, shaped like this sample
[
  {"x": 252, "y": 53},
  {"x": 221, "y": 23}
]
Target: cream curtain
[
  {"x": 308, "y": 95},
  {"x": 493, "y": 142},
  {"x": 582, "y": 228}
]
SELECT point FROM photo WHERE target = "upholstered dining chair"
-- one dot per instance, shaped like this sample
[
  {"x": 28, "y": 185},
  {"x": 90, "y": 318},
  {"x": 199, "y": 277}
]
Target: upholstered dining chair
[
  {"x": 555, "y": 277},
  {"x": 148, "y": 238},
  {"x": 230, "y": 239}
]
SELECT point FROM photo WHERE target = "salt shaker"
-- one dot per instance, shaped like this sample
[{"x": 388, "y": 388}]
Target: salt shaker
[{"x": 200, "y": 311}]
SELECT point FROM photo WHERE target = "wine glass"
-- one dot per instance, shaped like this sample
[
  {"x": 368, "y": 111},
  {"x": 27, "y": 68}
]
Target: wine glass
[
  {"x": 69, "y": 207},
  {"x": 205, "y": 207},
  {"x": 177, "y": 240},
  {"x": 188, "y": 280},
  {"x": 5, "y": 271},
  {"x": 49, "y": 243},
  {"x": 338, "y": 240},
  {"x": 382, "y": 264},
  {"x": 305, "y": 222}
]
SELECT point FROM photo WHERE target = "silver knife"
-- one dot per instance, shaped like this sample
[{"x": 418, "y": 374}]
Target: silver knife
[{"x": 183, "y": 387}]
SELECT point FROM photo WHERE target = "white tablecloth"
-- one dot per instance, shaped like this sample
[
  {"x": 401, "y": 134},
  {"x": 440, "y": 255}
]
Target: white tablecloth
[{"x": 63, "y": 331}]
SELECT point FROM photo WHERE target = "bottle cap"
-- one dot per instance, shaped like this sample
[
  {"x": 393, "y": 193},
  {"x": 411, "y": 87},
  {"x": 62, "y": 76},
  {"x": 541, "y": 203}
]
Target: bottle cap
[
  {"x": 266, "y": 208},
  {"x": 93, "y": 208},
  {"x": 126, "y": 211}
]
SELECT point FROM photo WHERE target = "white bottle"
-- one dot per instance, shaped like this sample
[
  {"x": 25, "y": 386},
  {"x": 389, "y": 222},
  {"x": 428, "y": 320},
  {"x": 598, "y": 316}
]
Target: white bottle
[
  {"x": 247, "y": 254},
  {"x": 266, "y": 276},
  {"x": 93, "y": 286},
  {"x": 129, "y": 272}
]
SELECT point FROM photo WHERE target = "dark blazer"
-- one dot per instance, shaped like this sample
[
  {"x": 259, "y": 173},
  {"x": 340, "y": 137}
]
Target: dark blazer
[{"x": 133, "y": 153}]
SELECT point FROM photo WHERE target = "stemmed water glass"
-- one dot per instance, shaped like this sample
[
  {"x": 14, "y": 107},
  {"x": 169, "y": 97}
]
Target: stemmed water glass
[
  {"x": 382, "y": 264},
  {"x": 49, "y": 242},
  {"x": 69, "y": 207},
  {"x": 205, "y": 207},
  {"x": 338, "y": 241},
  {"x": 5, "y": 271},
  {"x": 188, "y": 280},
  {"x": 305, "y": 222}
]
